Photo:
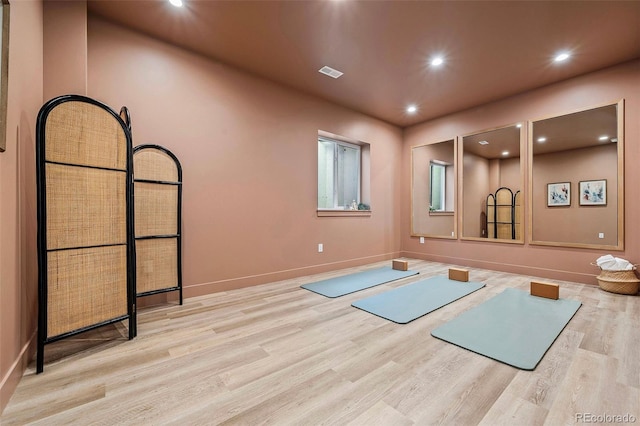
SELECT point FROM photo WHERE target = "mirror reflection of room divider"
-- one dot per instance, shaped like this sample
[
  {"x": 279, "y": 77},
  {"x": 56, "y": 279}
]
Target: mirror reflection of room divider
[
  {"x": 503, "y": 214},
  {"x": 86, "y": 255},
  {"x": 158, "y": 211},
  {"x": 490, "y": 160}
]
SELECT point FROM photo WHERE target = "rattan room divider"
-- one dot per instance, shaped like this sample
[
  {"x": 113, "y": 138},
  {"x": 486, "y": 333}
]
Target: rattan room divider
[
  {"x": 86, "y": 252},
  {"x": 126, "y": 118},
  {"x": 158, "y": 212},
  {"x": 504, "y": 214}
]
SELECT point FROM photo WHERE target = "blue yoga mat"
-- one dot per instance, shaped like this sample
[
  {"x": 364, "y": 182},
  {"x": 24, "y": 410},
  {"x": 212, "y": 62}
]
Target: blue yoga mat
[
  {"x": 406, "y": 303},
  {"x": 339, "y": 286},
  {"x": 512, "y": 327}
]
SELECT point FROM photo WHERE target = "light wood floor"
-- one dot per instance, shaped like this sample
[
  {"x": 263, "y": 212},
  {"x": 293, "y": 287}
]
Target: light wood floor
[{"x": 278, "y": 354}]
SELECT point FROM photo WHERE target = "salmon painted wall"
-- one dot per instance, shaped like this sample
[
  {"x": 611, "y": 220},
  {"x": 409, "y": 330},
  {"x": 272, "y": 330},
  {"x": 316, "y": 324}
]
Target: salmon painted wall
[
  {"x": 65, "y": 48},
  {"x": 248, "y": 149},
  {"x": 602, "y": 87},
  {"x": 575, "y": 222},
  {"x": 18, "y": 261}
]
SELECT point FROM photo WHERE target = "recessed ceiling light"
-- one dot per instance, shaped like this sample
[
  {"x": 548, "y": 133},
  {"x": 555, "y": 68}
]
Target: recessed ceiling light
[
  {"x": 519, "y": 125},
  {"x": 614, "y": 140},
  {"x": 542, "y": 139},
  {"x": 483, "y": 142},
  {"x": 561, "y": 57},
  {"x": 505, "y": 153},
  {"x": 412, "y": 109},
  {"x": 176, "y": 3},
  {"x": 331, "y": 72},
  {"x": 603, "y": 138},
  {"x": 436, "y": 61}
]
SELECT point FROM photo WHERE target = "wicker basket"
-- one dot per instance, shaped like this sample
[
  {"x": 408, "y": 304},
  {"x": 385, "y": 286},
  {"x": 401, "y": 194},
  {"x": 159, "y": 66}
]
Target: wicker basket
[{"x": 621, "y": 282}]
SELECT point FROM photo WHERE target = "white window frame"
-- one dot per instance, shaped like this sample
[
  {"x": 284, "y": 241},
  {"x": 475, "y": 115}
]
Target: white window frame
[{"x": 443, "y": 184}]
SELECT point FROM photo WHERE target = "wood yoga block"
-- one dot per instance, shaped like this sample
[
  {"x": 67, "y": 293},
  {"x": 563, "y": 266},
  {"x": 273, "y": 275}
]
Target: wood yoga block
[
  {"x": 459, "y": 274},
  {"x": 548, "y": 290},
  {"x": 400, "y": 265}
]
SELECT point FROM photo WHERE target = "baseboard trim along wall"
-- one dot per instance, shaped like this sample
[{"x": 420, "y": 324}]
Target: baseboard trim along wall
[
  {"x": 555, "y": 274},
  {"x": 14, "y": 374},
  {"x": 251, "y": 280}
]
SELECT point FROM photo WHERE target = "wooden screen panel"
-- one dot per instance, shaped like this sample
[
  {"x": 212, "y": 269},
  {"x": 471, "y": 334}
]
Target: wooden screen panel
[
  {"x": 152, "y": 164},
  {"x": 85, "y": 220},
  {"x": 85, "y": 287},
  {"x": 156, "y": 209},
  {"x": 85, "y": 207},
  {"x": 85, "y": 134},
  {"x": 158, "y": 206},
  {"x": 517, "y": 205},
  {"x": 156, "y": 264},
  {"x": 504, "y": 214},
  {"x": 491, "y": 216}
]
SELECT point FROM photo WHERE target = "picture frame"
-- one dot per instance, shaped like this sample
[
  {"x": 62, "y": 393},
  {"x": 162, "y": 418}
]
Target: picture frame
[
  {"x": 559, "y": 194},
  {"x": 593, "y": 192}
]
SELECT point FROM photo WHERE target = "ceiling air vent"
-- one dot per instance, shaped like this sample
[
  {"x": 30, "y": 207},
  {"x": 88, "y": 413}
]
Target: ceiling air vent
[{"x": 330, "y": 72}]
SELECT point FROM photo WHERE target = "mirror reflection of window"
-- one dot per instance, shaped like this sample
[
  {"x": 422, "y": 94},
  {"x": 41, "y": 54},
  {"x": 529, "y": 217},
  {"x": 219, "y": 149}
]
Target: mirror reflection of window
[
  {"x": 433, "y": 186},
  {"x": 438, "y": 186}
]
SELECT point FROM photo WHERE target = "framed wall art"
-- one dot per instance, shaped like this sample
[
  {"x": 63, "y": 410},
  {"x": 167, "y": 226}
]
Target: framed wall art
[
  {"x": 593, "y": 192},
  {"x": 558, "y": 194}
]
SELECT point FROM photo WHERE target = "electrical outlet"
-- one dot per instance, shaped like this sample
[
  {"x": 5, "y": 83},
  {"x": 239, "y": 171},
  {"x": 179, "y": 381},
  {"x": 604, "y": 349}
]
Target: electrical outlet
[
  {"x": 421, "y": 240},
  {"x": 601, "y": 235},
  {"x": 320, "y": 248},
  {"x": 453, "y": 234}
]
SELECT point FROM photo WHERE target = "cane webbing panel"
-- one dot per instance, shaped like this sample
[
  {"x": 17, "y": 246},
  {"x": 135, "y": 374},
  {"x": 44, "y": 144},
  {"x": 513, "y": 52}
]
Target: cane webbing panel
[
  {"x": 85, "y": 134},
  {"x": 85, "y": 287},
  {"x": 156, "y": 209},
  {"x": 153, "y": 164},
  {"x": 504, "y": 221},
  {"x": 504, "y": 197},
  {"x": 156, "y": 264},
  {"x": 491, "y": 215},
  {"x": 518, "y": 214},
  {"x": 85, "y": 207}
]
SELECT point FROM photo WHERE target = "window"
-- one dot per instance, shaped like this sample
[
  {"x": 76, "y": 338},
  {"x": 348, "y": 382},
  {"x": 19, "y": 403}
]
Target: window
[
  {"x": 343, "y": 176},
  {"x": 338, "y": 175}
]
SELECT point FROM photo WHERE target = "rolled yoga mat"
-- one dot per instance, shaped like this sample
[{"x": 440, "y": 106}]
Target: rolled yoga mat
[
  {"x": 406, "y": 303},
  {"x": 339, "y": 286},
  {"x": 513, "y": 327}
]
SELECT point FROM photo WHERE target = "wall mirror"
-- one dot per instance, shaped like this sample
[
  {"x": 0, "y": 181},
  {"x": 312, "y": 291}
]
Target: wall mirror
[
  {"x": 492, "y": 183},
  {"x": 433, "y": 192},
  {"x": 576, "y": 179}
]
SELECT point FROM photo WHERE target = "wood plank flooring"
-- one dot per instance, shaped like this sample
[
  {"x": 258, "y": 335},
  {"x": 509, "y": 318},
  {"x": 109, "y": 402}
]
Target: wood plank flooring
[{"x": 279, "y": 354}]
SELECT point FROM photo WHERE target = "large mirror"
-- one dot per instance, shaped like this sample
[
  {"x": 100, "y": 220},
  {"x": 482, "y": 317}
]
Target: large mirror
[
  {"x": 433, "y": 190},
  {"x": 576, "y": 179},
  {"x": 492, "y": 184}
]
